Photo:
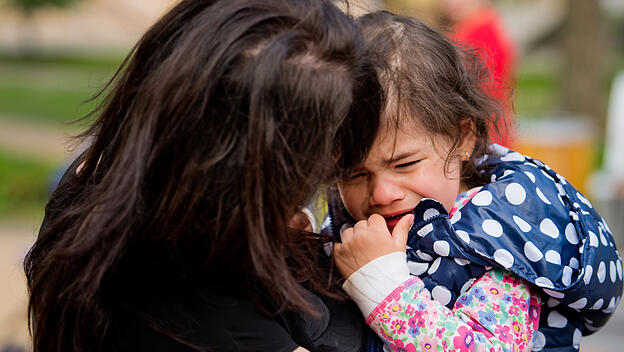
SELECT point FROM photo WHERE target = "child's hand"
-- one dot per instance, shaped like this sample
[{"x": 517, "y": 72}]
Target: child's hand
[{"x": 368, "y": 240}]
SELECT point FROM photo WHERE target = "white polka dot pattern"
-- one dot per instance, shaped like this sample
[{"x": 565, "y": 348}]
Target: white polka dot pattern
[
  {"x": 588, "y": 274},
  {"x": 553, "y": 257},
  {"x": 429, "y": 213},
  {"x": 482, "y": 199},
  {"x": 570, "y": 234},
  {"x": 566, "y": 278},
  {"x": 461, "y": 262},
  {"x": 456, "y": 217},
  {"x": 434, "y": 266},
  {"x": 424, "y": 256},
  {"x": 581, "y": 303},
  {"x": 556, "y": 320},
  {"x": 549, "y": 228},
  {"x": 583, "y": 200},
  {"x": 417, "y": 268},
  {"x": 598, "y": 304},
  {"x": 603, "y": 239},
  {"x": 611, "y": 306},
  {"x": 548, "y": 176},
  {"x": 542, "y": 196},
  {"x": 492, "y": 228},
  {"x": 441, "y": 248},
  {"x": 602, "y": 271},
  {"x": 467, "y": 285},
  {"x": 463, "y": 235},
  {"x": 539, "y": 341},
  {"x": 576, "y": 338},
  {"x": 515, "y": 193},
  {"x": 530, "y": 176},
  {"x": 425, "y": 230},
  {"x": 593, "y": 240},
  {"x": 555, "y": 294},
  {"x": 544, "y": 282},
  {"x": 604, "y": 223},
  {"x": 513, "y": 156},
  {"x": 523, "y": 225},
  {"x": 552, "y": 302},
  {"x": 504, "y": 258},
  {"x": 532, "y": 252},
  {"x": 441, "y": 294}
]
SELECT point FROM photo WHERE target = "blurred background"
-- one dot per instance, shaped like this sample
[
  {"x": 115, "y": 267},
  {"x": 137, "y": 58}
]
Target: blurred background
[{"x": 563, "y": 59}]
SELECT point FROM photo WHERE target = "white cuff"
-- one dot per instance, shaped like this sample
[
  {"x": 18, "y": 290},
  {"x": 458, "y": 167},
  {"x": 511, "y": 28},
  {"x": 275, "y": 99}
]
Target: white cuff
[{"x": 373, "y": 282}]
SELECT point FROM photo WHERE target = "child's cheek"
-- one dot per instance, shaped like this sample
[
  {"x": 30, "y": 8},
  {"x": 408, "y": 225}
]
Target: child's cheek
[{"x": 352, "y": 198}]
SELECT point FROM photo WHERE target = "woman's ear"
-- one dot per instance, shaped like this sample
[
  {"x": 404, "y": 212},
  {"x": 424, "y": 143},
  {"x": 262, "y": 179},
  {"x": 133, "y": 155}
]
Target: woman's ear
[{"x": 467, "y": 139}]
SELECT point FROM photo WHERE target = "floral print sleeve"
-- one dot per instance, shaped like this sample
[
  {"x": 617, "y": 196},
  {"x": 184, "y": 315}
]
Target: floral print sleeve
[{"x": 500, "y": 312}]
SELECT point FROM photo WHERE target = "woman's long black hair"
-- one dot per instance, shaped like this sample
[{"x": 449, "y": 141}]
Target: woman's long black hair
[{"x": 223, "y": 120}]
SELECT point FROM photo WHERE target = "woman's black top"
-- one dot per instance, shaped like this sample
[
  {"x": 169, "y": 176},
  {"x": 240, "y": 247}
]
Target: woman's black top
[
  {"x": 218, "y": 320},
  {"x": 157, "y": 311}
]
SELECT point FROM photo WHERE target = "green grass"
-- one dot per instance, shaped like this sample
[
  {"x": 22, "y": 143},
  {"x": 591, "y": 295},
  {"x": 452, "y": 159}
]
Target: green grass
[
  {"x": 23, "y": 185},
  {"x": 48, "y": 89},
  {"x": 44, "y": 105},
  {"x": 65, "y": 60},
  {"x": 52, "y": 89}
]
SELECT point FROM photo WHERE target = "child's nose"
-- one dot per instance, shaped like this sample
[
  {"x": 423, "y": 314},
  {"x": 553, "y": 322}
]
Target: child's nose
[{"x": 384, "y": 192}]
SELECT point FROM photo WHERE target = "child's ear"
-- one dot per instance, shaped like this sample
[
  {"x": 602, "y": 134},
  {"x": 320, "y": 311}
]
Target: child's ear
[
  {"x": 303, "y": 220},
  {"x": 468, "y": 139}
]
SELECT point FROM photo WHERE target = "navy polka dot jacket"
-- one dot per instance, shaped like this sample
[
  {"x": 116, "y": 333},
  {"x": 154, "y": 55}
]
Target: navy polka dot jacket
[{"x": 530, "y": 221}]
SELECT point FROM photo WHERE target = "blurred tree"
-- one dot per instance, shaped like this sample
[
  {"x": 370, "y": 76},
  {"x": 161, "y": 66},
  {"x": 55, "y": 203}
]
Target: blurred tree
[
  {"x": 28, "y": 7},
  {"x": 584, "y": 57},
  {"x": 424, "y": 10}
]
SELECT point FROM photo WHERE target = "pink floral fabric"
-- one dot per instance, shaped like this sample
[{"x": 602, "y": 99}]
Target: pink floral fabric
[
  {"x": 500, "y": 312},
  {"x": 464, "y": 198}
]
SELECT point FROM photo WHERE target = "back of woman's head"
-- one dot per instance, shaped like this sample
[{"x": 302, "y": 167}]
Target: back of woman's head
[
  {"x": 224, "y": 119},
  {"x": 430, "y": 82}
]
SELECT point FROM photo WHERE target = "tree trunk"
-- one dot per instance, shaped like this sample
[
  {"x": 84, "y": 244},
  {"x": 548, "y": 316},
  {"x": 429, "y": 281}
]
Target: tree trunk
[{"x": 584, "y": 58}]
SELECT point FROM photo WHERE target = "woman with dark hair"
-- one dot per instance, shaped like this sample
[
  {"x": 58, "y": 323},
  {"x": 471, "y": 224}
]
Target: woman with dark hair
[{"x": 170, "y": 232}]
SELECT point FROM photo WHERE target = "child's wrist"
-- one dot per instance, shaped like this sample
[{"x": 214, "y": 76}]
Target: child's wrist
[{"x": 373, "y": 282}]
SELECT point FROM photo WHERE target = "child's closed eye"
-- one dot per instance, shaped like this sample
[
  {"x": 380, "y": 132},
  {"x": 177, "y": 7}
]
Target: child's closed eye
[
  {"x": 355, "y": 176},
  {"x": 407, "y": 164}
]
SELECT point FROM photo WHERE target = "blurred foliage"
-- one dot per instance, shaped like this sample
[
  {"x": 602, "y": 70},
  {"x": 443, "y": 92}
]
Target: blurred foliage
[
  {"x": 23, "y": 185},
  {"x": 537, "y": 87},
  {"x": 108, "y": 61},
  {"x": 536, "y": 90},
  {"x": 47, "y": 89},
  {"x": 27, "y": 7},
  {"x": 52, "y": 88}
]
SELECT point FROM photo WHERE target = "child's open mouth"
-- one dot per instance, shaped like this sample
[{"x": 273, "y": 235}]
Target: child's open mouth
[{"x": 393, "y": 220}]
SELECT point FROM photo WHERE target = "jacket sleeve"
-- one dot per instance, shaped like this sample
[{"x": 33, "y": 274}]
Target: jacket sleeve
[{"x": 499, "y": 312}]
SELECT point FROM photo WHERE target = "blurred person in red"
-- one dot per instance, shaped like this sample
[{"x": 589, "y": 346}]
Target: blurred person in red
[{"x": 476, "y": 24}]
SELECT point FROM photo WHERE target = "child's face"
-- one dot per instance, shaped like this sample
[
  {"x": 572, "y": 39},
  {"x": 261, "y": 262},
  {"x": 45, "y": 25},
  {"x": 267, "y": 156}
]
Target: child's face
[{"x": 403, "y": 167}]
